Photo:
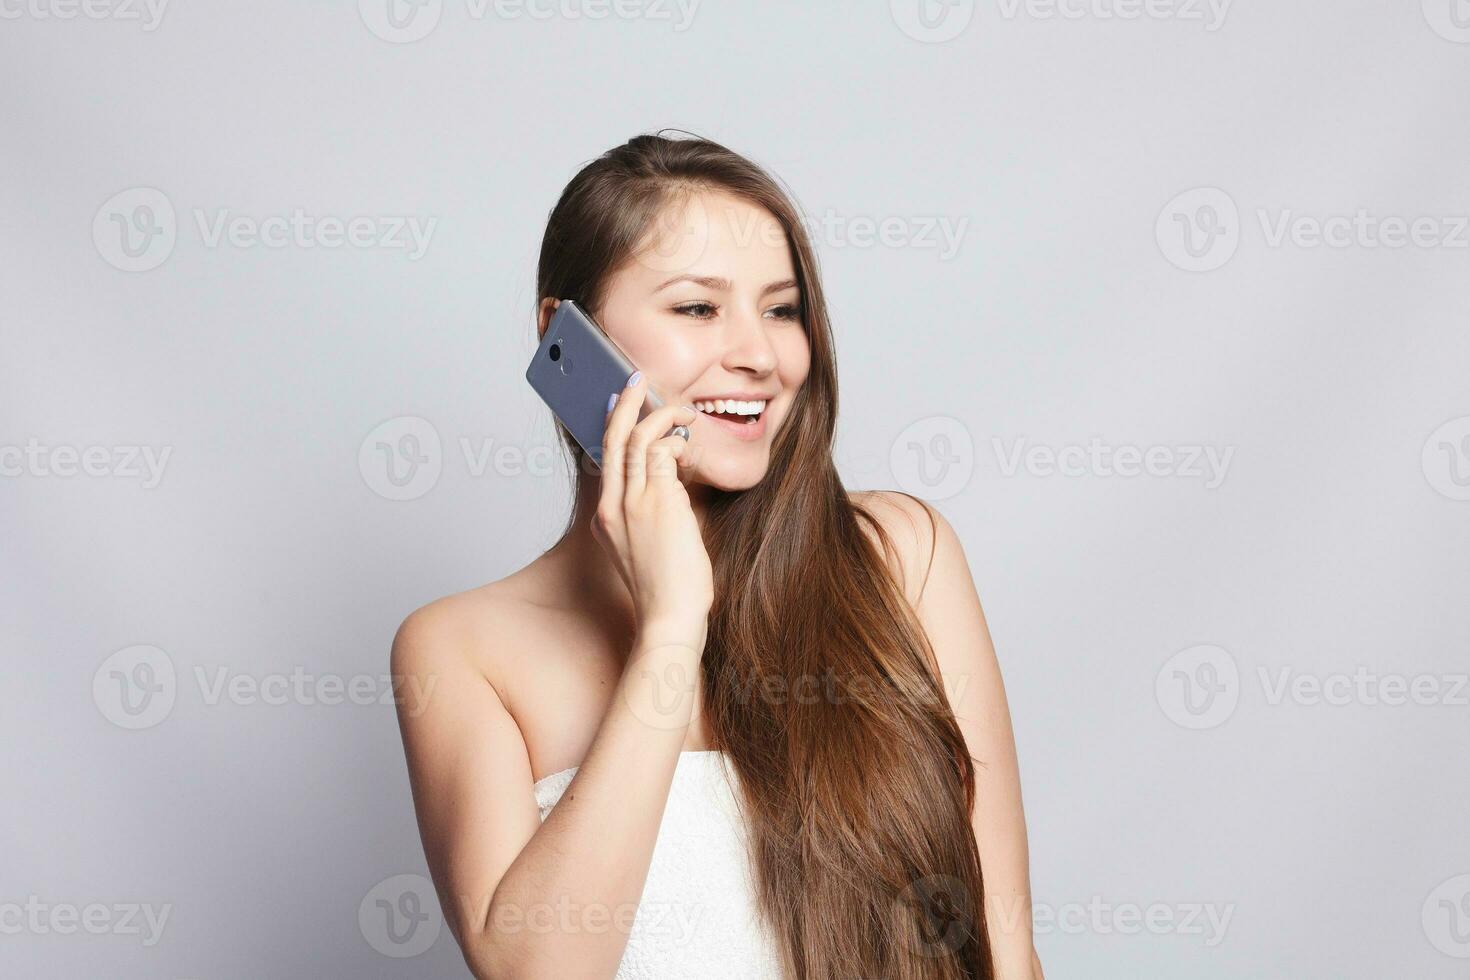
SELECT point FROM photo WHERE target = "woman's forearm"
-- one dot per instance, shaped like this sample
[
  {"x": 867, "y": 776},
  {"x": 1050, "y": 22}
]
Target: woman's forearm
[
  {"x": 565, "y": 905},
  {"x": 1015, "y": 961},
  {"x": 1008, "y": 924}
]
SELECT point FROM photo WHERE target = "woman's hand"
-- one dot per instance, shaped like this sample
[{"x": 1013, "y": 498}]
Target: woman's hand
[{"x": 644, "y": 519}]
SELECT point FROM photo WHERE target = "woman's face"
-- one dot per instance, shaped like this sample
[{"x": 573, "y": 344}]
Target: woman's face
[{"x": 708, "y": 309}]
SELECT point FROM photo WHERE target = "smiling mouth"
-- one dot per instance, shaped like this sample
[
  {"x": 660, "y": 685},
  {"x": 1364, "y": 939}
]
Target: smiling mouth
[
  {"x": 733, "y": 418},
  {"x": 745, "y": 421},
  {"x": 735, "y": 413}
]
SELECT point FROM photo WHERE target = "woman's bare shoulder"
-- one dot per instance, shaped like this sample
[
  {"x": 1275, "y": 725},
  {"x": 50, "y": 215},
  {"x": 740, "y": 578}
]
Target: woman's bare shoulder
[
  {"x": 477, "y": 625},
  {"x": 912, "y": 527}
]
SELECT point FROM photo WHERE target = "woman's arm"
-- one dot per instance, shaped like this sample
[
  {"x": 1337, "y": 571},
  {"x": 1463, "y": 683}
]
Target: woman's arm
[
  {"x": 525, "y": 898},
  {"x": 949, "y": 610}
]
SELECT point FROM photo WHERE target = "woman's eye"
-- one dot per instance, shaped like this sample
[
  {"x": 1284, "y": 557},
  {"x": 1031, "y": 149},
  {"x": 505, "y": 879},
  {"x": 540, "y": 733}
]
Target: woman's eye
[{"x": 704, "y": 311}]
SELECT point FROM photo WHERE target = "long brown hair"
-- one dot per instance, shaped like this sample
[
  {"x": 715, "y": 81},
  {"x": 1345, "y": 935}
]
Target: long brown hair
[{"x": 857, "y": 799}]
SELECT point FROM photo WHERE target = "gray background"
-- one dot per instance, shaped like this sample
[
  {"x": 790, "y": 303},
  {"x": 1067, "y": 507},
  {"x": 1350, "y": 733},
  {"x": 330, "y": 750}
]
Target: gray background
[{"x": 1143, "y": 622}]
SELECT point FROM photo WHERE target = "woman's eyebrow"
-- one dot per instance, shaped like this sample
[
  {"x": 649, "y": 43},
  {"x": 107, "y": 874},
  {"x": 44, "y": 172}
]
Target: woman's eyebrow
[{"x": 715, "y": 282}]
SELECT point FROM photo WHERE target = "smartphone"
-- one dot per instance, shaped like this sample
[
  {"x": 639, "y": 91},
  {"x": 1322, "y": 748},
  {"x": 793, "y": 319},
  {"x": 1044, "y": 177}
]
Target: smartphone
[{"x": 574, "y": 371}]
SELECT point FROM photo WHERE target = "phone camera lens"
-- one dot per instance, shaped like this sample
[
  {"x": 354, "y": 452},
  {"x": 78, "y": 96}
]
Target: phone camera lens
[{"x": 555, "y": 352}]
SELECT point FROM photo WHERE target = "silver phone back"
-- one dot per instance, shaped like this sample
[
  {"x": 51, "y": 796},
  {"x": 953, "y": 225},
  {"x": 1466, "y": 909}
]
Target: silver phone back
[{"x": 586, "y": 369}]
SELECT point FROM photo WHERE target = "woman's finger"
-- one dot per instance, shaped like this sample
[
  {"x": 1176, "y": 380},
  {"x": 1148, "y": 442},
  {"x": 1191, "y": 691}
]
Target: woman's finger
[
  {"x": 646, "y": 433},
  {"x": 622, "y": 416},
  {"x": 665, "y": 457}
]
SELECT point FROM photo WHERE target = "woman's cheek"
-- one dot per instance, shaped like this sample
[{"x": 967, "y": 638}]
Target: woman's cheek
[
  {"x": 679, "y": 362},
  {"x": 668, "y": 358},
  {"x": 795, "y": 363}
]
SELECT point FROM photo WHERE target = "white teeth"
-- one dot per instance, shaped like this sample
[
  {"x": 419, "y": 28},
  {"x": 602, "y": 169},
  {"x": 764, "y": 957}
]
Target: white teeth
[{"x": 721, "y": 405}]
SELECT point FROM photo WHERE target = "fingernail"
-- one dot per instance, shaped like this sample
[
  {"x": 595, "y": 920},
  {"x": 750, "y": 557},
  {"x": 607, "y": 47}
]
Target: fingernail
[
  {"x": 634, "y": 378},
  {"x": 691, "y": 408},
  {"x": 612, "y": 400}
]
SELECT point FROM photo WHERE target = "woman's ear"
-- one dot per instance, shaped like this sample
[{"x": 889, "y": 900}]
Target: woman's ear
[{"x": 543, "y": 317}]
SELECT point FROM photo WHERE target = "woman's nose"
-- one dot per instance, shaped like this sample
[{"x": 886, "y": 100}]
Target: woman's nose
[{"x": 747, "y": 346}]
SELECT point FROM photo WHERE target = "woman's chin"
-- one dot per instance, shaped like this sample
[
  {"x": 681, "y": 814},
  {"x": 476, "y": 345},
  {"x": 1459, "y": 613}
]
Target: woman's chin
[{"x": 724, "y": 471}]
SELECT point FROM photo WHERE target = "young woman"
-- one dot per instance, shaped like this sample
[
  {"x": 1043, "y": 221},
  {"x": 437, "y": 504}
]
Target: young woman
[{"x": 737, "y": 722}]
